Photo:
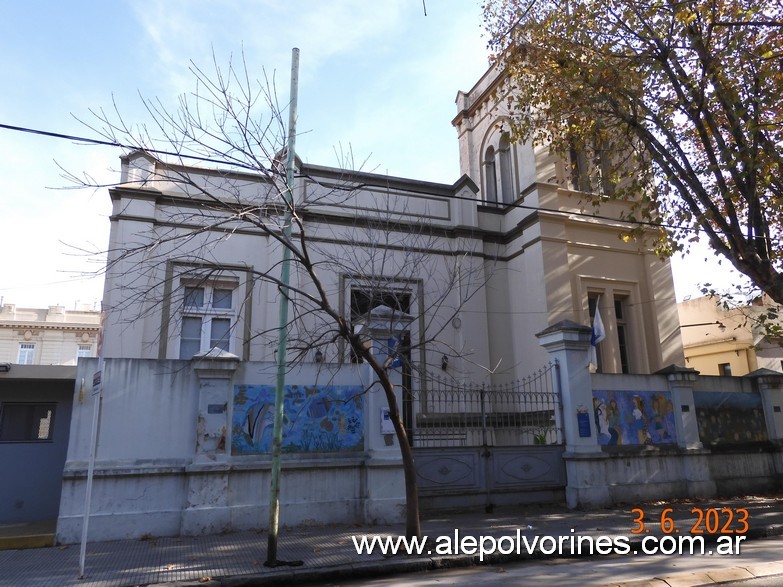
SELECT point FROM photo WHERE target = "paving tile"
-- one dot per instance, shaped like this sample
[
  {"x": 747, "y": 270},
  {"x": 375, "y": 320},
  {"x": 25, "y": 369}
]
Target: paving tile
[
  {"x": 687, "y": 579},
  {"x": 730, "y": 574},
  {"x": 764, "y": 569}
]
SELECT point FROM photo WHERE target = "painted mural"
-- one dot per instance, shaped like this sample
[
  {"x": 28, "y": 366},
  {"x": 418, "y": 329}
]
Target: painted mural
[
  {"x": 318, "y": 418},
  {"x": 624, "y": 418},
  {"x": 729, "y": 418}
]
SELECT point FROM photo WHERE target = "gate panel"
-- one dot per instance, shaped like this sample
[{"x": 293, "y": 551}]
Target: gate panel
[
  {"x": 450, "y": 469},
  {"x": 485, "y": 445},
  {"x": 522, "y": 466}
]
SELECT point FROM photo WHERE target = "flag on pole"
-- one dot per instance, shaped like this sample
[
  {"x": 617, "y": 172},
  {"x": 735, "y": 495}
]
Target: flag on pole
[{"x": 597, "y": 335}]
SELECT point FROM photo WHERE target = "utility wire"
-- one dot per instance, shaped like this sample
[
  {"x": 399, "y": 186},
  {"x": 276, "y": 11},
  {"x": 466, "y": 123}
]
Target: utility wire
[
  {"x": 254, "y": 168},
  {"x": 57, "y": 135}
]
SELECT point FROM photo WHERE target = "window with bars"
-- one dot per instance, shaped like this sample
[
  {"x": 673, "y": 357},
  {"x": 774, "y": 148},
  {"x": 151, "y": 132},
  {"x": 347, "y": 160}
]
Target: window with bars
[
  {"x": 363, "y": 301},
  {"x": 207, "y": 316},
  {"x": 26, "y": 422}
]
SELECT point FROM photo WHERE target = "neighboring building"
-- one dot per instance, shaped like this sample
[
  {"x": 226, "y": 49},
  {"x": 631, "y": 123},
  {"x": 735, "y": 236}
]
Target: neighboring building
[
  {"x": 726, "y": 342},
  {"x": 47, "y": 336}
]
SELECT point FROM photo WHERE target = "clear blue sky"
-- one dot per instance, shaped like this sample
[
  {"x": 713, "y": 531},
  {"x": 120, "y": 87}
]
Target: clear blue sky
[{"x": 377, "y": 77}]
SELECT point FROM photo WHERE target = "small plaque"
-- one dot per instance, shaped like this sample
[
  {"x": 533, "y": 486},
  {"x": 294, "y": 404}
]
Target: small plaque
[
  {"x": 686, "y": 408},
  {"x": 776, "y": 409},
  {"x": 216, "y": 409},
  {"x": 583, "y": 421},
  {"x": 386, "y": 424}
]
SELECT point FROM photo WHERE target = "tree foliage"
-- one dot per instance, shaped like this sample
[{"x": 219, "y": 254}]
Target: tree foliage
[{"x": 676, "y": 104}]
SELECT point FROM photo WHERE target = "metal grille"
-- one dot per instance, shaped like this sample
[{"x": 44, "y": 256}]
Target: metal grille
[{"x": 522, "y": 413}]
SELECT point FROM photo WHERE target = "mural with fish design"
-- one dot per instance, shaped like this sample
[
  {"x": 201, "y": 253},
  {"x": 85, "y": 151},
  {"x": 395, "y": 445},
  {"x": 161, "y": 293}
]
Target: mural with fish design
[{"x": 317, "y": 418}]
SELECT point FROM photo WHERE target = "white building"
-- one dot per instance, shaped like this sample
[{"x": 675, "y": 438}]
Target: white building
[
  {"x": 485, "y": 263},
  {"x": 469, "y": 272}
]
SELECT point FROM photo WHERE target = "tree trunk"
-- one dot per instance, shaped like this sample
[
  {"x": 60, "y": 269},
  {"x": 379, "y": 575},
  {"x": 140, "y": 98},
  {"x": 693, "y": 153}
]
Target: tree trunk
[{"x": 412, "y": 522}]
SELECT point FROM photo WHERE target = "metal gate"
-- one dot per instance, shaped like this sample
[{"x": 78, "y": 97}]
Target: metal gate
[{"x": 488, "y": 445}]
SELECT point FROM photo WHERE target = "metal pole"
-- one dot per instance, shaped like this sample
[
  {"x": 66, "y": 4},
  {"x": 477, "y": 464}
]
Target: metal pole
[
  {"x": 277, "y": 441},
  {"x": 97, "y": 395}
]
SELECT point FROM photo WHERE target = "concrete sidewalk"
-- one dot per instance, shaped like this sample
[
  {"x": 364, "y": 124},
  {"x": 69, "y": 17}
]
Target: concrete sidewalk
[{"x": 328, "y": 553}]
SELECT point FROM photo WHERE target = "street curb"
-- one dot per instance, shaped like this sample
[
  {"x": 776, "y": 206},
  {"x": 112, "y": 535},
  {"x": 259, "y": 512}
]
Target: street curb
[
  {"x": 28, "y": 541},
  {"x": 409, "y": 564}
]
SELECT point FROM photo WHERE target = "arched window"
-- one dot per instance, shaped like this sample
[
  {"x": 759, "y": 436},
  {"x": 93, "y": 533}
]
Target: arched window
[
  {"x": 490, "y": 176},
  {"x": 506, "y": 177}
]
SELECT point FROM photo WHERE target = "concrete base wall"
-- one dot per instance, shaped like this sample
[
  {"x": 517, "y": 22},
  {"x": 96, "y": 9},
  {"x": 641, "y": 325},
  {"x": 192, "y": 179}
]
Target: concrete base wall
[
  {"x": 135, "y": 500},
  {"x": 165, "y": 464},
  {"x": 475, "y": 500},
  {"x": 603, "y": 479}
]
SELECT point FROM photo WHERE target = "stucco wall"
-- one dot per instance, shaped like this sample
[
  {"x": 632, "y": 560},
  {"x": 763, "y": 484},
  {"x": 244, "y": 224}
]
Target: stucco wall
[{"x": 164, "y": 464}]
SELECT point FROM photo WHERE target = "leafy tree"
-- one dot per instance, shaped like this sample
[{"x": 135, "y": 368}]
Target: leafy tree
[{"x": 674, "y": 106}]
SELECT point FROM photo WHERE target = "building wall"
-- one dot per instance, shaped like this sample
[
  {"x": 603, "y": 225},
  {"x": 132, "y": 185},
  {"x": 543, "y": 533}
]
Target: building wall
[
  {"x": 56, "y": 333},
  {"x": 526, "y": 259},
  {"x": 714, "y": 338},
  {"x": 483, "y": 279},
  {"x": 165, "y": 464},
  {"x": 550, "y": 240},
  {"x": 32, "y": 481}
]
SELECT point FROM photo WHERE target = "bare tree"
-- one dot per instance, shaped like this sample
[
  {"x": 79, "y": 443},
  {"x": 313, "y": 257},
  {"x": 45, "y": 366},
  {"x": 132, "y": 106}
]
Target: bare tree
[{"x": 344, "y": 231}]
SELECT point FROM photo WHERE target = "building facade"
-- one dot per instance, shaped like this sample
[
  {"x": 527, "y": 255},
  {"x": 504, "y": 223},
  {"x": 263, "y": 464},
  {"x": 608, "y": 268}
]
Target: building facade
[
  {"x": 462, "y": 279},
  {"x": 47, "y": 336},
  {"x": 480, "y": 266},
  {"x": 719, "y": 341}
]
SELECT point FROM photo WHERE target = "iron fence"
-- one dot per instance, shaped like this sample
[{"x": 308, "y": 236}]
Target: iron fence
[{"x": 521, "y": 413}]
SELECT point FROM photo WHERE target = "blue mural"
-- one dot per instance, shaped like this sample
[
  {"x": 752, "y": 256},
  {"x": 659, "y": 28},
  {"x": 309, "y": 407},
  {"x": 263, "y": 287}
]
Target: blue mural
[
  {"x": 318, "y": 418},
  {"x": 634, "y": 417},
  {"x": 729, "y": 418}
]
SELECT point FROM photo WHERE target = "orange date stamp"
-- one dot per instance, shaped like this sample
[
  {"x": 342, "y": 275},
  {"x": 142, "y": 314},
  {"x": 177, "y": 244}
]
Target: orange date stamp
[{"x": 708, "y": 521}]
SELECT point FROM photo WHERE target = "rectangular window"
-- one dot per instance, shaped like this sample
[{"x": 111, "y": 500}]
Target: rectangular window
[
  {"x": 26, "y": 353},
  {"x": 724, "y": 369},
  {"x": 207, "y": 318},
  {"x": 26, "y": 422},
  {"x": 622, "y": 333},
  {"x": 84, "y": 350},
  {"x": 220, "y": 330},
  {"x": 190, "y": 341},
  {"x": 363, "y": 301}
]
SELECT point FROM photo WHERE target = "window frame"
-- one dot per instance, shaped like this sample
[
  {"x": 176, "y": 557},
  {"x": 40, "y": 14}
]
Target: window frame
[
  {"x": 622, "y": 321},
  {"x": 209, "y": 314},
  {"x": 490, "y": 176},
  {"x": 499, "y": 170},
  {"x": 403, "y": 297},
  {"x": 83, "y": 348},
  {"x": 611, "y": 290},
  {"x": 30, "y": 352},
  {"x": 51, "y": 406}
]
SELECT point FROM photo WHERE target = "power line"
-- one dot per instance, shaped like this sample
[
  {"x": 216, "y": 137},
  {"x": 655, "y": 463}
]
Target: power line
[
  {"x": 57, "y": 135},
  {"x": 105, "y": 143}
]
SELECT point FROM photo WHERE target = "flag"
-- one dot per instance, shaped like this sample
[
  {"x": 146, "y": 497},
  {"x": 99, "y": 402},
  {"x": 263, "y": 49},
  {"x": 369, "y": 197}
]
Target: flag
[
  {"x": 597, "y": 335},
  {"x": 598, "y": 327},
  {"x": 394, "y": 361}
]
